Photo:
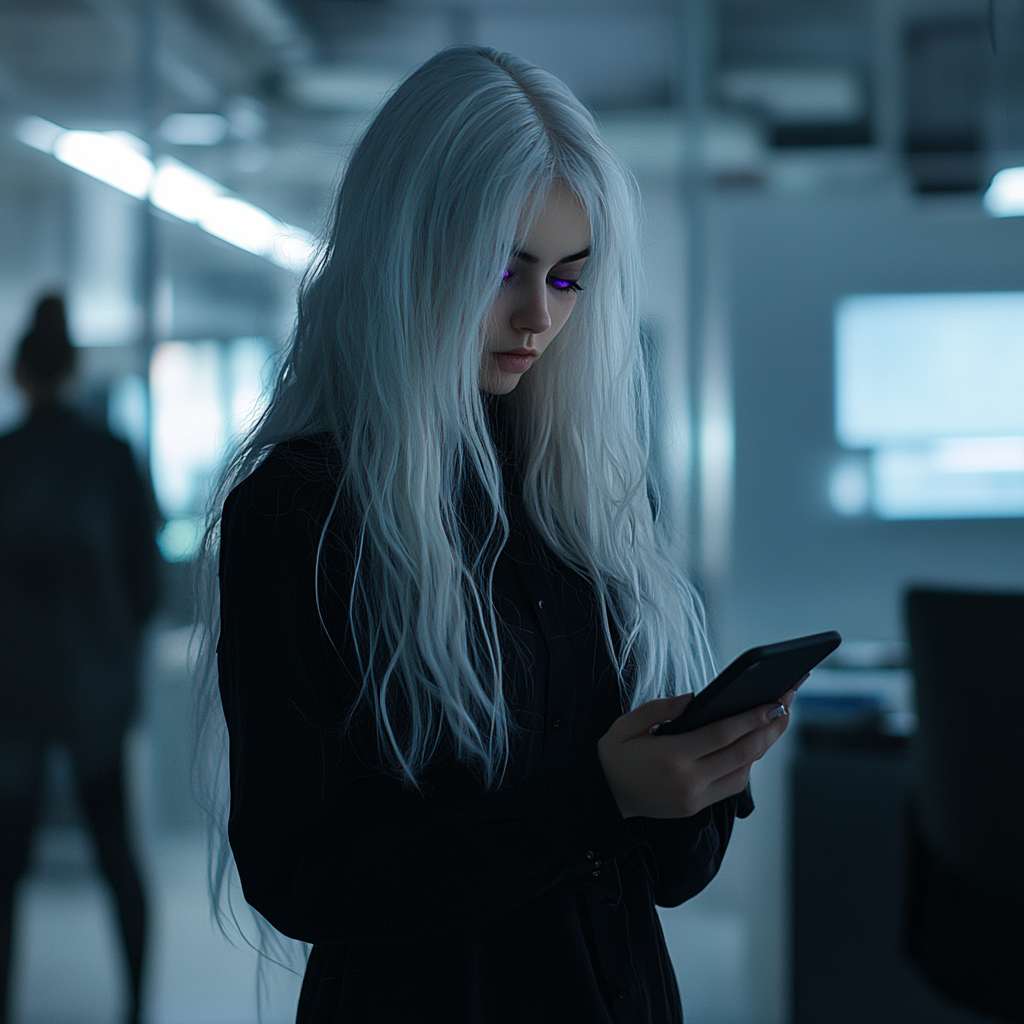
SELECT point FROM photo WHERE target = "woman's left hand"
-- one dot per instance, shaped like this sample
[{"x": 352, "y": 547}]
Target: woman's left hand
[{"x": 677, "y": 776}]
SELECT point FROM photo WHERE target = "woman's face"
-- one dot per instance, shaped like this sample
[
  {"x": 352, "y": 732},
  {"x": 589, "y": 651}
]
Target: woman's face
[{"x": 538, "y": 292}]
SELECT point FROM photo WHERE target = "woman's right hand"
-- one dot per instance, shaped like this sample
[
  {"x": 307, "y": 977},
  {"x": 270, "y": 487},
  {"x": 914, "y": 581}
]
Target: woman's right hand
[{"x": 677, "y": 776}]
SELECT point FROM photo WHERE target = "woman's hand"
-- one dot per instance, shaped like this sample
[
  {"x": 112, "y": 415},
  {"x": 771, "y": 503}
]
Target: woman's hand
[{"x": 677, "y": 776}]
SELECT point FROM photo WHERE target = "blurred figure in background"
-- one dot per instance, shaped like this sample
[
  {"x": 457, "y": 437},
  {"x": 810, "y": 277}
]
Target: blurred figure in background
[{"x": 78, "y": 580}]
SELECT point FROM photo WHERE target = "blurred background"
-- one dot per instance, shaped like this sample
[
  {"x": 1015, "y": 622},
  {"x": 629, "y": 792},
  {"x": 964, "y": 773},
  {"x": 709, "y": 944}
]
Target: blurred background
[{"x": 834, "y": 195}]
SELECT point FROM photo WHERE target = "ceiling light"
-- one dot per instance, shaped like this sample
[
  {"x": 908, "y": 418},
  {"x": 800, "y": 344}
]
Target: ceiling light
[
  {"x": 342, "y": 88},
  {"x": 181, "y": 191},
  {"x": 798, "y": 95},
  {"x": 185, "y": 193},
  {"x": 38, "y": 133},
  {"x": 1005, "y": 196},
  {"x": 121, "y": 160},
  {"x": 657, "y": 142},
  {"x": 241, "y": 224},
  {"x": 194, "y": 129},
  {"x": 107, "y": 156}
]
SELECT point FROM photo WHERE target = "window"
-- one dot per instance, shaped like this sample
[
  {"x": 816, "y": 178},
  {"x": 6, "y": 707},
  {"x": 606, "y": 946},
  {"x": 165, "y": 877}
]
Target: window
[{"x": 205, "y": 396}]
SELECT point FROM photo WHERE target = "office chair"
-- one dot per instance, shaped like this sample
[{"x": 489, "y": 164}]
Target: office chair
[{"x": 965, "y": 908}]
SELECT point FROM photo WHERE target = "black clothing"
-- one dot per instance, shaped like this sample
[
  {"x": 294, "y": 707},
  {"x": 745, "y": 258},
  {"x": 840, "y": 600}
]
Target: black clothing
[
  {"x": 534, "y": 902},
  {"x": 78, "y": 579},
  {"x": 22, "y": 763}
]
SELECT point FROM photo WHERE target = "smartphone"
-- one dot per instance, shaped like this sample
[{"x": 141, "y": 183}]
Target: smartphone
[{"x": 758, "y": 676}]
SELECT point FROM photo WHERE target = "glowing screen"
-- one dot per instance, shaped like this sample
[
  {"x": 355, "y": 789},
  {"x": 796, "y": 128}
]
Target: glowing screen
[{"x": 933, "y": 386}]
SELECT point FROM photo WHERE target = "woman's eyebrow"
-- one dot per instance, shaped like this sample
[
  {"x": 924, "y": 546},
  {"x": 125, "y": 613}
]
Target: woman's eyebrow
[{"x": 528, "y": 257}]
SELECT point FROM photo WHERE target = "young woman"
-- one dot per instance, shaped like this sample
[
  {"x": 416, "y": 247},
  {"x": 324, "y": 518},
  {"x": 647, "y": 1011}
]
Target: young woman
[{"x": 443, "y": 581}]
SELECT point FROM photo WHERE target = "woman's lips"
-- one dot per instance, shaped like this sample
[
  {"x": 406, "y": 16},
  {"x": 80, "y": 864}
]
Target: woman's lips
[{"x": 519, "y": 360}]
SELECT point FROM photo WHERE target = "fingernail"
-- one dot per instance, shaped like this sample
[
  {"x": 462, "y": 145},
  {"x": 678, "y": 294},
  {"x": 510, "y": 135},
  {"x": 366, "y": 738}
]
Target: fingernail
[{"x": 777, "y": 711}]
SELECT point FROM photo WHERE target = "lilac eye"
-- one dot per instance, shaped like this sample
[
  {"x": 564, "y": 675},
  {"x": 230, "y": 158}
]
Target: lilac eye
[
  {"x": 562, "y": 284},
  {"x": 505, "y": 273}
]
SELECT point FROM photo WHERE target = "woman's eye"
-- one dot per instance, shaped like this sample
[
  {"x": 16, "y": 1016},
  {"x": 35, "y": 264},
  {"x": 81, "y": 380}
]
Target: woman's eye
[{"x": 563, "y": 284}]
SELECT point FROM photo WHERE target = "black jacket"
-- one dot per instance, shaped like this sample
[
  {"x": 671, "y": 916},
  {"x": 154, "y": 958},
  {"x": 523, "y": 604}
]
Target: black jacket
[
  {"x": 535, "y": 902},
  {"x": 78, "y": 579}
]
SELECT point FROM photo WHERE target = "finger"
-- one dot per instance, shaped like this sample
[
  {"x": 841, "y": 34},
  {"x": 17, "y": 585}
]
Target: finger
[
  {"x": 641, "y": 720},
  {"x": 726, "y": 731},
  {"x": 728, "y": 785},
  {"x": 781, "y": 724},
  {"x": 744, "y": 751},
  {"x": 800, "y": 682}
]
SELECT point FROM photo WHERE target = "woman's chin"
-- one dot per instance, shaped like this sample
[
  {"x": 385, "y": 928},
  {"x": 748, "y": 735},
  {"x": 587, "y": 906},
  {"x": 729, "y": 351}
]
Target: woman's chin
[{"x": 498, "y": 383}]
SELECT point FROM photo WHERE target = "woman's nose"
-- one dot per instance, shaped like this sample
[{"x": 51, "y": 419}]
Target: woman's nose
[{"x": 530, "y": 314}]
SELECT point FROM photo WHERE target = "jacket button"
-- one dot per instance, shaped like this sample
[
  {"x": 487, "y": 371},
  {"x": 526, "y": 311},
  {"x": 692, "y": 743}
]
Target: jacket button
[
  {"x": 556, "y": 724},
  {"x": 590, "y": 854},
  {"x": 540, "y": 605},
  {"x": 621, "y": 994}
]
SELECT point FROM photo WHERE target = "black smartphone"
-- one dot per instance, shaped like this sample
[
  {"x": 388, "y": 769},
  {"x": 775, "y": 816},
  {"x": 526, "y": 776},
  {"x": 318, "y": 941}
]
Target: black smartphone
[{"x": 758, "y": 676}]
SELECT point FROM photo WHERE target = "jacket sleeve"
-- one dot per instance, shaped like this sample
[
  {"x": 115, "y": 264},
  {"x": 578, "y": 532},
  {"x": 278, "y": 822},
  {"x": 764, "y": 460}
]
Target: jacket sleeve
[
  {"x": 328, "y": 848},
  {"x": 684, "y": 854}
]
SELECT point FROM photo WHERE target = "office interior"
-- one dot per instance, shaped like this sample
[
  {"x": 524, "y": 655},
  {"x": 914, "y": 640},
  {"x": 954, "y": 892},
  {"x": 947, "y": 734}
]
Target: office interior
[{"x": 834, "y": 253}]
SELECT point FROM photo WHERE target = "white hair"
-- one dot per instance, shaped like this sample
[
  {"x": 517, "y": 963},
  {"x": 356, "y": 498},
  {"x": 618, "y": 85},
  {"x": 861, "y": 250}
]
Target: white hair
[{"x": 386, "y": 360}]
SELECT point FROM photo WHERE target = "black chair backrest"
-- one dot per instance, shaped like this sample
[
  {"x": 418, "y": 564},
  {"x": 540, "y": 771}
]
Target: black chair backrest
[{"x": 967, "y": 656}]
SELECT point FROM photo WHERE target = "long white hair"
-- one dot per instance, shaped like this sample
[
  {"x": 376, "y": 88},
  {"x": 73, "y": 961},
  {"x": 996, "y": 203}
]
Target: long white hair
[{"x": 386, "y": 361}]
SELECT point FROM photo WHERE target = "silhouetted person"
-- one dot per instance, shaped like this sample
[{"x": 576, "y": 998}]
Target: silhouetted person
[{"x": 77, "y": 583}]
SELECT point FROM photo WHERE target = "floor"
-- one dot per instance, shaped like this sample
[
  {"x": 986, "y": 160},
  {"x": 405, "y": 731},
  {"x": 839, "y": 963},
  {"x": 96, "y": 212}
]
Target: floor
[{"x": 68, "y": 967}]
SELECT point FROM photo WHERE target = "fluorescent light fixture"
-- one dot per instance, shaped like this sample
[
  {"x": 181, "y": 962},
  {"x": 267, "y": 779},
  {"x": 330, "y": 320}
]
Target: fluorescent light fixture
[
  {"x": 798, "y": 95},
  {"x": 655, "y": 142},
  {"x": 185, "y": 193},
  {"x": 122, "y": 160},
  {"x": 1005, "y": 196},
  {"x": 355, "y": 89},
  {"x": 291, "y": 247},
  {"x": 107, "y": 156},
  {"x": 194, "y": 129},
  {"x": 241, "y": 224},
  {"x": 181, "y": 191},
  {"x": 38, "y": 133}
]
